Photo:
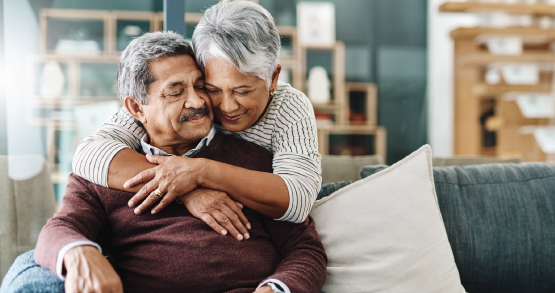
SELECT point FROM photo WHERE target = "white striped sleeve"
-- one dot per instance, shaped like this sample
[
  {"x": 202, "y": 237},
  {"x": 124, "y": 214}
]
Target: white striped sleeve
[
  {"x": 296, "y": 157},
  {"x": 95, "y": 153}
]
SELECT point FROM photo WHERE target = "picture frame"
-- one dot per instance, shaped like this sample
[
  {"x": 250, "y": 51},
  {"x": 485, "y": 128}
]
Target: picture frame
[{"x": 316, "y": 24}]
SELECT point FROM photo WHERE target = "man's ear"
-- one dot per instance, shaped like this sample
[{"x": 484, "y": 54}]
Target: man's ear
[
  {"x": 275, "y": 78},
  {"x": 134, "y": 108}
]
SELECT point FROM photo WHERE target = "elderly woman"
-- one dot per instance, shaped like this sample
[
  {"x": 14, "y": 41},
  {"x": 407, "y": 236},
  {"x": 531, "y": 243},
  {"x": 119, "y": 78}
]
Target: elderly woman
[{"x": 237, "y": 46}]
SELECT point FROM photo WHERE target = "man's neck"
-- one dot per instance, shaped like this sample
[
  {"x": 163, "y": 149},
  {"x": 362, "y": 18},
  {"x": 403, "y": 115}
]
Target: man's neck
[{"x": 177, "y": 149}]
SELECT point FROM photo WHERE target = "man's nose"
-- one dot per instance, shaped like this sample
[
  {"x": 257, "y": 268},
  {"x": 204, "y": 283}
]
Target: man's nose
[
  {"x": 228, "y": 104},
  {"x": 194, "y": 101}
]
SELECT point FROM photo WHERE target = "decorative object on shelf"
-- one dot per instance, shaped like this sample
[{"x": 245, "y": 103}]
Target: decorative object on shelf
[
  {"x": 324, "y": 120},
  {"x": 318, "y": 85},
  {"x": 545, "y": 136},
  {"x": 127, "y": 30},
  {"x": 533, "y": 105},
  {"x": 316, "y": 23},
  {"x": 77, "y": 46},
  {"x": 492, "y": 76},
  {"x": 505, "y": 45},
  {"x": 362, "y": 103},
  {"x": 517, "y": 74},
  {"x": 75, "y": 37},
  {"x": 495, "y": 19},
  {"x": 52, "y": 81}
]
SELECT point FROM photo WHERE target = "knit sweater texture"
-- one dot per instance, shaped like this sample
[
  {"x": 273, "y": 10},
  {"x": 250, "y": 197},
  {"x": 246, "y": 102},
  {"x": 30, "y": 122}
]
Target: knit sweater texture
[{"x": 172, "y": 251}]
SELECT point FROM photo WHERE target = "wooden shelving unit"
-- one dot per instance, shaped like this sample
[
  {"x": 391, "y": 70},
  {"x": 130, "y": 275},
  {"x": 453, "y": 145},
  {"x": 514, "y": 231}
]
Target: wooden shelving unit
[
  {"x": 539, "y": 9},
  {"x": 110, "y": 51},
  {"x": 474, "y": 98},
  {"x": 370, "y": 108}
]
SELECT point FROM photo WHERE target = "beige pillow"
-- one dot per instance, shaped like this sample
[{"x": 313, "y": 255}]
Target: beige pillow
[{"x": 384, "y": 233}]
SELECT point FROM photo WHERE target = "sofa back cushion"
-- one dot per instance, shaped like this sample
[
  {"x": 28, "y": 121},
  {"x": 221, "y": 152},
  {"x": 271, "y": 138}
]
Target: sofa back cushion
[
  {"x": 343, "y": 168},
  {"x": 500, "y": 220}
]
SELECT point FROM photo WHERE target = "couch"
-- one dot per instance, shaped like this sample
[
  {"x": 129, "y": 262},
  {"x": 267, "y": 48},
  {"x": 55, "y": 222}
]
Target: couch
[
  {"x": 26, "y": 203},
  {"x": 500, "y": 222}
]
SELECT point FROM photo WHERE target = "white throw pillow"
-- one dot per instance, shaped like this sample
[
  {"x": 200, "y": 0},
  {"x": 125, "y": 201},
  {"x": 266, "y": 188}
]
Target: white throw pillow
[{"x": 385, "y": 233}]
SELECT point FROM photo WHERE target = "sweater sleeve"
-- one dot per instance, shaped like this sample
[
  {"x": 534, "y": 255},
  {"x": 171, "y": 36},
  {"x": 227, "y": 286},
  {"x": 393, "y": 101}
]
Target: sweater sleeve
[
  {"x": 296, "y": 156},
  {"x": 94, "y": 153},
  {"x": 81, "y": 218},
  {"x": 303, "y": 259}
]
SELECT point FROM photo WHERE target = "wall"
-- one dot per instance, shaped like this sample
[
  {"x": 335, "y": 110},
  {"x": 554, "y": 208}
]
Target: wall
[
  {"x": 21, "y": 37},
  {"x": 440, "y": 75}
]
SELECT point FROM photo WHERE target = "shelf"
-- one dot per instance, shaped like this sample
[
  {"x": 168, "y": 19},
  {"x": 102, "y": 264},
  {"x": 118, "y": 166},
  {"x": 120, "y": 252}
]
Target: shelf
[
  {"x": 483, "y": 59},
  {"x": 379, "y": 133},
  {"x": 369, "y": 106},
  {"x": 325, "y": 107},
  {"x": 524, "y": 32},
  {"x": 517, "y": 8},
  {"x": 487, "y": 90}
]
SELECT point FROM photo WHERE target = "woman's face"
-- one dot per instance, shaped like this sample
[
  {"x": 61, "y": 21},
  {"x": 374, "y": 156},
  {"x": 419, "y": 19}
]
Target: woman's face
[{"x": 238, "y": 100}]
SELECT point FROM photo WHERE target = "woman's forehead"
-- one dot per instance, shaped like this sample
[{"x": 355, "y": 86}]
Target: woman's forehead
[{"x": 220, "y": 73}]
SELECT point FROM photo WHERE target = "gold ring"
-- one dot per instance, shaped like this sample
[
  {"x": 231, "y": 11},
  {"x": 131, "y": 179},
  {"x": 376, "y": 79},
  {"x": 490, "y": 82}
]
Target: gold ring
[{"x": 158, "y": 193}]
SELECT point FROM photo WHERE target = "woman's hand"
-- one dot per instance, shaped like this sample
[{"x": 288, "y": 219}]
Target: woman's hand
[
  {"x": 217, "y": 209},
  {"x": 174, "y": 176}
]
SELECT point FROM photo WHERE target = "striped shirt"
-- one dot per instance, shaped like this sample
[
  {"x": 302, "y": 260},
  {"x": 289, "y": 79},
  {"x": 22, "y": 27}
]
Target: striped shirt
[{"x": 287, "y": 130}]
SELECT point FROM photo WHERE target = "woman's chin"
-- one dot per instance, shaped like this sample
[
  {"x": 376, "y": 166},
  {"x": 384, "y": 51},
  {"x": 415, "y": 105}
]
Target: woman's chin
[{"x": 234, "y": 127}]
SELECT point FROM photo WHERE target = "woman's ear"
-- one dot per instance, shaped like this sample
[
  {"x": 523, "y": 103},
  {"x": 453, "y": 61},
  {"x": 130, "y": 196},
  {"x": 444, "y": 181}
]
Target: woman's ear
[
  {"x": 275, "y": 78},
  {"x": 134, "y": 108}
]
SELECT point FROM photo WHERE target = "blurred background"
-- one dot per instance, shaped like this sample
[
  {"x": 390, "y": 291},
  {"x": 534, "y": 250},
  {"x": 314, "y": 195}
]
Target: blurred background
[
  {"x": 472, "y": 78},
  {"x": 60, "y": 61}
]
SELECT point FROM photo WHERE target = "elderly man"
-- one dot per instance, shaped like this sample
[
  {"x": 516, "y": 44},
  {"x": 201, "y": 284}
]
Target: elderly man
[{"x": 99, "y": 244}]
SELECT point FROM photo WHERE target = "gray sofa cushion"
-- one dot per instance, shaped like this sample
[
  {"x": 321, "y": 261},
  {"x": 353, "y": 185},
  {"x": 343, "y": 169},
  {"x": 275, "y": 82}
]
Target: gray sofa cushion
[
  {"x": 465, "y": 161},
  {"x": 500, "y": 220},
  {"x": 26, "y": 203}
]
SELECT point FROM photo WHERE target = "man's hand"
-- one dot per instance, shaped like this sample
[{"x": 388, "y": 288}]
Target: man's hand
[
  {"x": 264, "y": 289},
  {"x": 217, "y": 209},
  {"x": 89, "y": 271},
  {"x": 173, "y": 177}
]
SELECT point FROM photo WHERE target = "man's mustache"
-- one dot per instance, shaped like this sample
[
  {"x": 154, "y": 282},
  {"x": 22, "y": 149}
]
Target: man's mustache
[{"x": 193, "y": 113}]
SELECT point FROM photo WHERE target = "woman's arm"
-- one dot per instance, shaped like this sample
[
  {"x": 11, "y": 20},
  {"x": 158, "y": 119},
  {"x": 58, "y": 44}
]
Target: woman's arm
[
  {"x": 126, "y": 164},
  {"x": 288, "y": 194},
  {"x": 109, "y": 155},
  {"x": 263, "y": 192}
]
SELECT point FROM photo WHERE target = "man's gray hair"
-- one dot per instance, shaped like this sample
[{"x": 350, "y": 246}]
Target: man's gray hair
[
  {"x": 134, "y": 74},
  {"x": 242, "y": 33}
]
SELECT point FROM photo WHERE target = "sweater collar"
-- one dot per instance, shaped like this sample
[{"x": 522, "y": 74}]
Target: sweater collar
[{"x": 204, "y": 142}]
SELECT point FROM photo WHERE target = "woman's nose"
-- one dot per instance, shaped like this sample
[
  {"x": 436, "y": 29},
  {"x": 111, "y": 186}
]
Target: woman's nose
[{"x": 228, "y": 104}]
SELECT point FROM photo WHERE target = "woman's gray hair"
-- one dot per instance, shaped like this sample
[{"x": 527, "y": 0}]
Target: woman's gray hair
[
  {"x": 134, "y": 74},
  {"x": 242, "y": 33}
]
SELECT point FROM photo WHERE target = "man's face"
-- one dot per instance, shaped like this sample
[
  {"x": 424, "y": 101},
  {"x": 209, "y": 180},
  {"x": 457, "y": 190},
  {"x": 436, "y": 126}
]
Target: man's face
[{"x": 179, "y": 110}]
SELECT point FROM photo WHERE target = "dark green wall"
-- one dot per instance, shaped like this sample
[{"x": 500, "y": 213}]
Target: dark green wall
[{"x": 386, "y": 44}]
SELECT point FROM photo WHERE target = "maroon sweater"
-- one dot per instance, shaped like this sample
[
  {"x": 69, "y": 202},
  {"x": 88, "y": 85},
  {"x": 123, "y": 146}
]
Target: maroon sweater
[{"x": 175, "y": 252}]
